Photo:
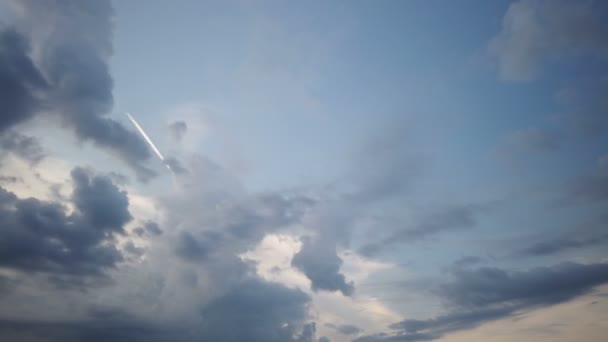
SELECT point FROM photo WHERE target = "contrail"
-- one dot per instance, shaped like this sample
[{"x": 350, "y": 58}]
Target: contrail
[{"x": 143, "y": 133}]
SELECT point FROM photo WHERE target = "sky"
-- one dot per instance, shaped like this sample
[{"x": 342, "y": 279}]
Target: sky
[{"x": 365, "y": 171}]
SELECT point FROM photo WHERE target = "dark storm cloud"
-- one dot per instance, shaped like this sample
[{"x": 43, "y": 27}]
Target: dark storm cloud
[
  {"x": 178, "y": 129},
  {"x": 74, "y": 38},
  {"x": 97, "y": 328},
  {"x": 319, "y": 262},
  {"x": 256, "y": 310},
  {"x": 534, "y": 32},
  {"x": 251, "y": 310},
  {"x": 23, "y": 146},
  {"x": 39, "y": 236},
  {"x": 487, "y": 294},
  {"x": 440, "y": 220},
  {"x": 101, "y": 202},
  {"x": 20, "y": 80}
]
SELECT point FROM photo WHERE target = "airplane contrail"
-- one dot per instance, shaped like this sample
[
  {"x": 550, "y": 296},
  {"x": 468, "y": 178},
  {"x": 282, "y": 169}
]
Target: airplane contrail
[
  {"x": 147, "y": 138},
  {"x": 143, "y": 133}
]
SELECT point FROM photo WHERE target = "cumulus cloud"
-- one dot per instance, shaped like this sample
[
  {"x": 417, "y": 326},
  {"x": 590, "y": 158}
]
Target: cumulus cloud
[
  {"x": 238, "y": 315},
  {"x": 319, "y": 262},
  {"x": 537, "y": 31},
  {"x": 40, "y": 236},
  {"x": 67, "y": 76}
]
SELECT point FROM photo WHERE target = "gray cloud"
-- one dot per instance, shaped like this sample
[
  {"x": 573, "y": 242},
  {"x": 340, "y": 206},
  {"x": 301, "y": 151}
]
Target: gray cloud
[
  {"x": 439, "y": 220},
  {"x": 467, "y": 261},
  {"x": 23, "y": 146},
  {"x": 178, "y": 129},
  {"x": 383, "y": 337},
  {"x": 570, "y": 241},
  {"x": 233, "y": 316},
  {"x": 20, "y": 80},
  {"x": 39, "y": 236},
  {"x": 534, "y": 32},
  {"x": 238, "y": 315},
  {"x": 130, "y": 248},
  {"x": 73, "y": 38},
  {"x": 101, "y": 203},
  {"x": 345, "y": 329},
  {"x": 540, "y": 286},
  {"x": 150, "y": 227},
  {"x": 486, "y": 294},
  {"x": 319, "y": 262},
  {"x": 383, "y": 170},
  {"x": 97, "y": 328},
  {"x": 175, "y": 165},
  {"x": 10, "y": 179},
  {"x": 200, "y": 248}
]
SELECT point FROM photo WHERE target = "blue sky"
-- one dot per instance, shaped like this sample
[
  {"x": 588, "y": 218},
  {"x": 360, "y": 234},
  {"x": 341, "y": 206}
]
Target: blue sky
[{"x": 339, "y": 170}]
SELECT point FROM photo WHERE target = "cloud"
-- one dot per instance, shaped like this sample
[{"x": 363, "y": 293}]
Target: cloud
[
  {"x": 177, "y": 130},
  {"x": 319, "y": 262},
  {"x": 255, "y": 310},
  {"x": 101, "y": 203},
  {"x": 40, "y": 236},
  {"x": 345, "y": 329},
  {"x": 467, "y": 261},
  {"x": 69, "y": 76},
  {"x": 486, "y": 286},
  {"x": 444, "y": 219},
  {"x": 486, "y": 294},
  {"x": 23, "y": 146},
  {"x": 233, "y": 316},
  {"x": 563, "y": 243},
  {"x": 149, "y": 227},
  {"x": 130, "y": 248},
  {"x": 99, "y": 326},
  {"x": 537, "y": 31},
  {"x": 20, "y": 80},
  {"x": 199, "y": 249}
]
